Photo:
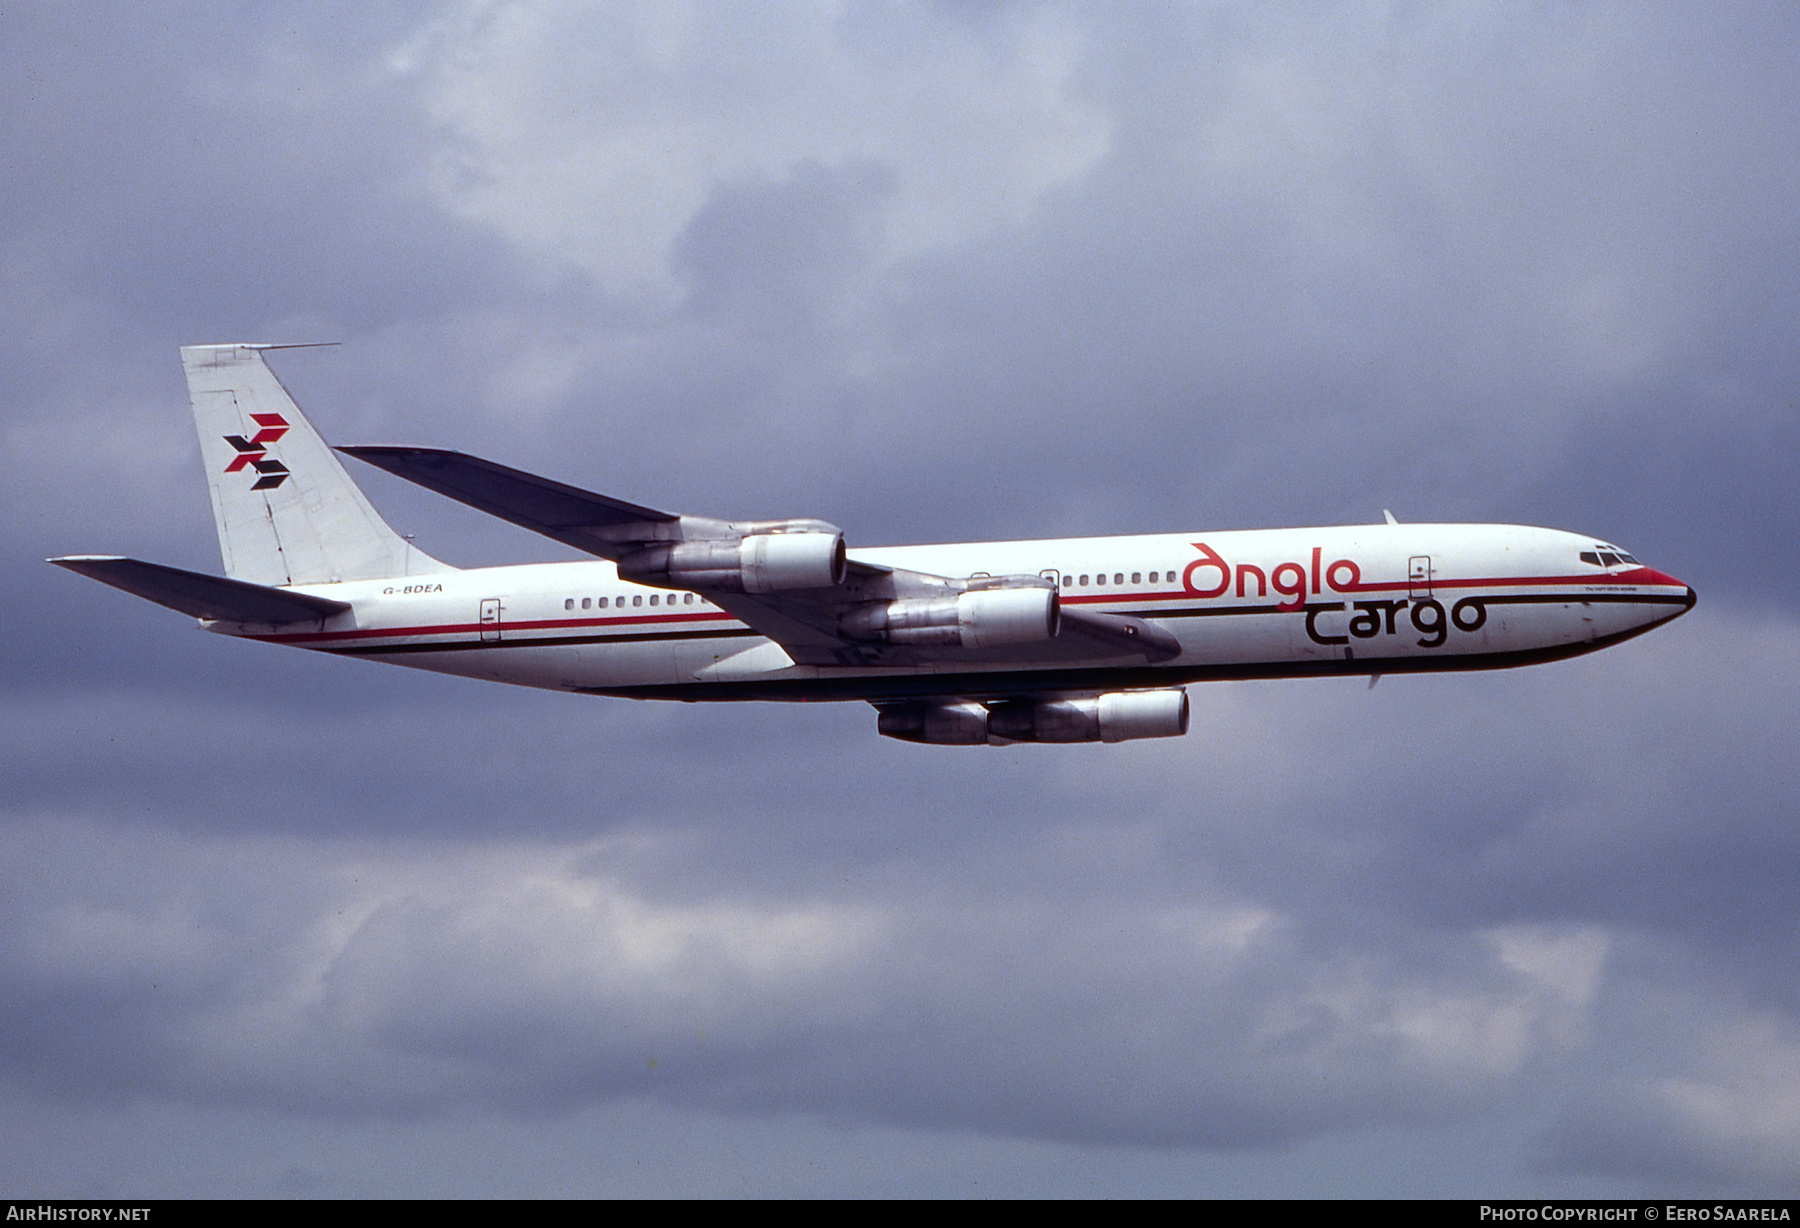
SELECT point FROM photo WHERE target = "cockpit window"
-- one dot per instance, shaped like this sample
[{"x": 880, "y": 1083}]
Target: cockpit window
[{"x": 1608, "y": 558}]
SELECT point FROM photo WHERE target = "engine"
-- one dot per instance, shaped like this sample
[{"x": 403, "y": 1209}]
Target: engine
[
  {"x": 984, "y": 619},
  {"x": 758, "y": 563},
  {"x": 940, "y": 724},
  {"x": 1118, "y": 716}
]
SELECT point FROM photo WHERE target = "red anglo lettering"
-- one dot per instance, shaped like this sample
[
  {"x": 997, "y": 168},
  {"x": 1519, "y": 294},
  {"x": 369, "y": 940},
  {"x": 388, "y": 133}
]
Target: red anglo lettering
[
  {"x": 1317, "y": 551},
  {"x": 1294, "y": 590},
  {"x": 1245, "y": 571},
  {"x": 1209, "y": 558},
  {"x": 1353, "y": 582}
]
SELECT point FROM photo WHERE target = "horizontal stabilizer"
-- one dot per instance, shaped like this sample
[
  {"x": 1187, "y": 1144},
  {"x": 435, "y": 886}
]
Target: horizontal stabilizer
[
  {"x": 565, "y": 513},
  {"x": 210, "y": 597}
]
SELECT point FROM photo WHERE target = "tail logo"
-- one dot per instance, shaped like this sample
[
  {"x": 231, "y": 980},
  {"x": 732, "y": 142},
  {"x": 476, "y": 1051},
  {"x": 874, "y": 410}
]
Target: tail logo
[{"x": 253, "y": 452}]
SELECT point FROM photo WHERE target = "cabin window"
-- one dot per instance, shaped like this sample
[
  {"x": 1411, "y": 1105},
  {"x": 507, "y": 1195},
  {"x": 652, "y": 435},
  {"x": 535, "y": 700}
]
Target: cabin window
[
  {"x": 1137, "y": 577},
  {"x": 1100, "y": 579},
  {"x": 587, "y": 602},
  {"x": 569, "y": 604},
  {"x": 688, "y": 600},
  {"x": 1084, "y": 582},
  {"x": 638, "y": 600},
  {"x": 1067, "y": 581},
  {"x": 652, "y": 598},
  {"x": 601, "y": 602},
  {"x": 1118, "y": 577}
]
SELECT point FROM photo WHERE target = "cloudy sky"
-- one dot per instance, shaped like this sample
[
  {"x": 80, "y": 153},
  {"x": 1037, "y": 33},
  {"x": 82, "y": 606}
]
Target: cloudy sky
[{"x": 278, "y": 924}]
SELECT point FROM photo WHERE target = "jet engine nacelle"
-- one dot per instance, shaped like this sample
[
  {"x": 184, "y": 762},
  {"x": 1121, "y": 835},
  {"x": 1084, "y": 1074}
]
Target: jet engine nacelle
[
  {"x": 1118, "y": 716},
  {"x": 987, "y": 618},
  {"x": 758, "y": 563},
  {"x": 939, "y": 724}
]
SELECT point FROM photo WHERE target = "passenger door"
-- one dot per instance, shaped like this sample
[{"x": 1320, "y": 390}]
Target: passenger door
[{"x": 1418, "y": 577}]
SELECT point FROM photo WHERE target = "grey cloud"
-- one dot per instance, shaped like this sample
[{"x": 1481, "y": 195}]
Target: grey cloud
[
  {"x": 1170, "y": 946},
  {"x": 760, "y": 246},
  {"x": 1716, "y": 1110},
  {"x": 339, "y": 980}
]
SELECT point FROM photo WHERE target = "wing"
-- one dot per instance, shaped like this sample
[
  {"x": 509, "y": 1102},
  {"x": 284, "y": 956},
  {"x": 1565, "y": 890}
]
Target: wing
[
  {"x": 571, "y": 516},
  {"x": 792, "y": 580},
  {"x": 810, "y": 624}
]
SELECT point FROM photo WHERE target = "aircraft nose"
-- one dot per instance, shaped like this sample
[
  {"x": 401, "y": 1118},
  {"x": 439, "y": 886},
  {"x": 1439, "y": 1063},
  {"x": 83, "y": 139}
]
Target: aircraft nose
[{"x": 1649, "y": 575}]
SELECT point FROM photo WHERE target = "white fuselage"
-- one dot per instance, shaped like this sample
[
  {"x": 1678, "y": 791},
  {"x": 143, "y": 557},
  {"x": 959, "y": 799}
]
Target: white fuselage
[{"x": 1265, "y": 603}]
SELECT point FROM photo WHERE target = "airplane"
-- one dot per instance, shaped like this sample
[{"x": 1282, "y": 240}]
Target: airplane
[{"x": 981, "y": 643}]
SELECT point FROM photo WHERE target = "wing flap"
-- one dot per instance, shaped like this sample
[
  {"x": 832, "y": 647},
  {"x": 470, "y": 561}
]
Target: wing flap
[
  {"x": 1085, "y": 638},
  {"x": 202, "y": 596},
  {"x": 1120, "y": 634},
  {"x": 807, "y": 629}
]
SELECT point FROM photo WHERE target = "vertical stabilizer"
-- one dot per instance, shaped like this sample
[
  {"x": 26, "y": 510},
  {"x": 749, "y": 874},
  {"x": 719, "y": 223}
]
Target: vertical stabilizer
[{"x": 287, "y": 512}]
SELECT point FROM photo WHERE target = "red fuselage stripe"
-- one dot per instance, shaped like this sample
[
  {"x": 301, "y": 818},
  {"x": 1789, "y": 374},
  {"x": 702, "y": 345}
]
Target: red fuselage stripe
[
  {"x": 1630, "y": 579},
  {"x": 1610, "y": 582},
  {"x": 545, "y": 624}
]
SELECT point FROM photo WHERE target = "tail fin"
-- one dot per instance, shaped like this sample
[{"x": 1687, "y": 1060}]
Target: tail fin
[{"x": 286, "y": 510}]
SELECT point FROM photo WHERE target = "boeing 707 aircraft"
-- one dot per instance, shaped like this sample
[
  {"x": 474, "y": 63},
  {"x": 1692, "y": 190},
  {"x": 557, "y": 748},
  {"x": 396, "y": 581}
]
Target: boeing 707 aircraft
[{"x": 1074, "y": 640}]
